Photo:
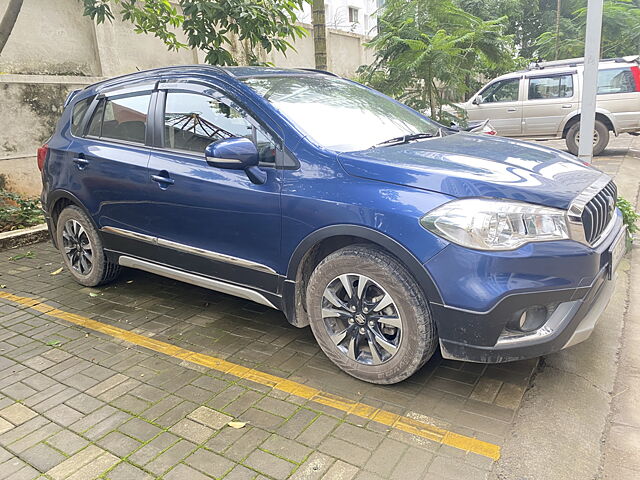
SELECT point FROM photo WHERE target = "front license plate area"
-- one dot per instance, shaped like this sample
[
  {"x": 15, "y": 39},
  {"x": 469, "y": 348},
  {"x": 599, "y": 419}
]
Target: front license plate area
[{"x": 617, "y": 251}]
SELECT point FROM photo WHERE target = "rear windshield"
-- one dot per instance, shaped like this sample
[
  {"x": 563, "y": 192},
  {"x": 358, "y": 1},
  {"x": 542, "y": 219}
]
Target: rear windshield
[{"x": 338, "y": 114}]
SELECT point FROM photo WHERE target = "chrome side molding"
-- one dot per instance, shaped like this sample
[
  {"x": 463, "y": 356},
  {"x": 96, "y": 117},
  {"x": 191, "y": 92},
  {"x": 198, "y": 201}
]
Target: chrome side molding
[
  {"x": 220, "y": 257},
  {"x": 193, "y": 279}
]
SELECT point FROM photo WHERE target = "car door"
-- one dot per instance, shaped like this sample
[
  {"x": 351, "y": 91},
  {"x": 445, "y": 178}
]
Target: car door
[
  {"x": 210, "y": 220},
  {"x": 549, "y": 99},
  {"x": 109, "y": 164},
  {"x": 501, "y": 103}
]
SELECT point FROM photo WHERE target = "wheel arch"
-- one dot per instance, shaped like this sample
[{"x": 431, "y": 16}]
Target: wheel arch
[
  {"x": 58, "y": 201},
  {"x": 311, "y": 250},
  {"x": 602, "y": 115}
]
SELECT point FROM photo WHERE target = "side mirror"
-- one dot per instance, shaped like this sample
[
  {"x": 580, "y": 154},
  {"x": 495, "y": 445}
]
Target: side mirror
[
  {"x": 477, "y": 100},
  {"x": 237, "y": 153}
]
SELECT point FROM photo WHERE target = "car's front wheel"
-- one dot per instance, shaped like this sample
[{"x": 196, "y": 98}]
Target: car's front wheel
[
  {"x": 81, "y": 248},
  {"x": 369, "y": 315}
]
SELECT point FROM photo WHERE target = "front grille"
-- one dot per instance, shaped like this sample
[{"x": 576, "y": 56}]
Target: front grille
[{"x": 598, "y": 212}]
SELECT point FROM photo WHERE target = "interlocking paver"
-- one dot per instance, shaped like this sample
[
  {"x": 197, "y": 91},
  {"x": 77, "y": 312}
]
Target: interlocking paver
[
  {"x": 341, "y": 471},
  {"x": 285, "y": 448},
  {"x": 42, "y": 457},
  {"x": 170, "y": 457},
  {"x": 118, "y": 444},
  {"x": 17, "y": 413},
  {"x": 209, "y": 417},
  {"x": 192, "y": 431},
  {"x": 209, "y": 463},
  {"x": 63, "y": 415},
  {"x": 138, "y": 428},
  {"x": 180, "y": 472},
  {"x": 67, "y": 442},
  {"x": 269, "y": 464},
  {"x": 126, "y": 471}
]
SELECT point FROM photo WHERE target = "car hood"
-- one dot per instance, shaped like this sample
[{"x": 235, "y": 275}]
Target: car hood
[{"x": 467, "y": 165}]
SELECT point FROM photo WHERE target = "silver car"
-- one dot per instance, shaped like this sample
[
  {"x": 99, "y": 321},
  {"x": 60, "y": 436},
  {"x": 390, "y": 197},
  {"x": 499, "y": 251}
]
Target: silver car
[{"x": 543, "y": 102}]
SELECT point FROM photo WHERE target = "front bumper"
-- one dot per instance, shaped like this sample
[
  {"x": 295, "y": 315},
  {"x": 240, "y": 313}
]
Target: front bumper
[
  {"x": 483, "y": 336},
  {"x": 571, "y": 323}
]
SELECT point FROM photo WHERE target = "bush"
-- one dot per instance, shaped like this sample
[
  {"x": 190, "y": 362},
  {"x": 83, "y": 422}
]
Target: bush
[
  {"x": 629, "y": 215},
  {"x": 18, "y": 212}
]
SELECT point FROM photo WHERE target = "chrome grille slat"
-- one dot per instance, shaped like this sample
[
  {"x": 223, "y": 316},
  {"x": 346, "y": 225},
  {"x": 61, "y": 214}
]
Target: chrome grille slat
[{"x": 597, "y": 213}]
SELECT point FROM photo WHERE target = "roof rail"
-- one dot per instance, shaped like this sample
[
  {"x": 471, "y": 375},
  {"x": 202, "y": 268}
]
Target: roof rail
[
  {"x": 573, "y": 62},
  {"x": 316, "y": 70}
]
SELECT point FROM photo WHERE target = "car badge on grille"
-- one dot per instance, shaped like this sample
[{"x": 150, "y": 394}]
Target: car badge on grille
[{"x": 611, "y": 204}]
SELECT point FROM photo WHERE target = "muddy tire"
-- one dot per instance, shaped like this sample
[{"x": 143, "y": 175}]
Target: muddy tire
[
  {"x": 369, "y": 315},
  {"x": 81, "y": 249}
]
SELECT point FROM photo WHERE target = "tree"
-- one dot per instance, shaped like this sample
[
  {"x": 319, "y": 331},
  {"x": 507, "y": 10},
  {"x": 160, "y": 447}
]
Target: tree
[
  {"x": 8, "y": 21},
  {"x": 620, "y": 31},
  {"x": 209, "y": 24},
  {"x": 426, "y": 52}
]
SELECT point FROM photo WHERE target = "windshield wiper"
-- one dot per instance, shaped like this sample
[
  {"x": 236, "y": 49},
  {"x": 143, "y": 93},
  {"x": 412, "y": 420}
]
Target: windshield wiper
[{"x": 408, "y": 138}]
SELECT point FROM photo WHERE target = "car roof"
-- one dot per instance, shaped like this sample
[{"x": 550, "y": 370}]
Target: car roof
[{"x": 211, "y": 71}]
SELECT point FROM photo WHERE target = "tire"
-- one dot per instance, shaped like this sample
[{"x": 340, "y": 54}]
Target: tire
[
  {"x": 85, "y": 260},
  {"x": 573, "y": 136},
  {"x": 410, "y": 330}
]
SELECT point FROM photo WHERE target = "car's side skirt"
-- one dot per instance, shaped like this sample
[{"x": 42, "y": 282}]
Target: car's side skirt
[{"x": 193, "y": 279}]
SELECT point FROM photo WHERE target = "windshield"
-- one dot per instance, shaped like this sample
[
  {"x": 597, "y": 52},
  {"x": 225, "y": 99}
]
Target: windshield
[{"x": 338, "y": 114}]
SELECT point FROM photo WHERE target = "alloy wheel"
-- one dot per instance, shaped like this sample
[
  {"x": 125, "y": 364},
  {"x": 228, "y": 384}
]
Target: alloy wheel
[
  {"x": 77, "y": 247},
  {"x": 362, "y": 319}
]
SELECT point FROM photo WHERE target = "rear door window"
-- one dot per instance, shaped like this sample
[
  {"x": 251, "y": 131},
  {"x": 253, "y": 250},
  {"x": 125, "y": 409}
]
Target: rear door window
[
  {"x": 555, "y": 86},
  {"x": 615, "y": 80},
  {"x": 121, "y": 118}
]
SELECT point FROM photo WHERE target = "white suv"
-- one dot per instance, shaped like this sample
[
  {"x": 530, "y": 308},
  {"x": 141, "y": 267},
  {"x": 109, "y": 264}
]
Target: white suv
[{"x": 543, "y": 102}]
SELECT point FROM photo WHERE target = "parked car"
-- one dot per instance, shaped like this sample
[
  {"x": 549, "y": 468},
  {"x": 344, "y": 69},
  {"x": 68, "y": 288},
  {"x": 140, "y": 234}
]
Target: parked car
[
  {"x": 387, "y": 233},
  {"x": 543, "y": 102}
]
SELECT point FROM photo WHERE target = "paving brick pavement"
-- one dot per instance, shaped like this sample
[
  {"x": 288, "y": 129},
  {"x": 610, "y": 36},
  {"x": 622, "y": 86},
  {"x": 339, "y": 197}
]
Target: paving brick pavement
[{"x": 78, "y": 404}]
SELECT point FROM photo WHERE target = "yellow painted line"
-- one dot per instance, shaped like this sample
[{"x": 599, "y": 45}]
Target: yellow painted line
[{"x": 367, "y": 412}]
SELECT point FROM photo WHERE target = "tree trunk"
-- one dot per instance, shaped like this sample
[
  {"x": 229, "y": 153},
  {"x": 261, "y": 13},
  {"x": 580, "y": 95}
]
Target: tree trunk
[
  {"x": 8, "y": 21},
  {"x": 319, "y": 34}
]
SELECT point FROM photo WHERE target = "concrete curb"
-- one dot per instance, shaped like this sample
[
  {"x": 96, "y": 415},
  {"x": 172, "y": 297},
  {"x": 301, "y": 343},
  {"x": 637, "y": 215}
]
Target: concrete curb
[{"x": 24, "y": 236}]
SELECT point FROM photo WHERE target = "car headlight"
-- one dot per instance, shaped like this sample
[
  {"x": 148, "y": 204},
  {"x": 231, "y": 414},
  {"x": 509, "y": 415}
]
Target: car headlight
[{"x": 491, "y": 224}]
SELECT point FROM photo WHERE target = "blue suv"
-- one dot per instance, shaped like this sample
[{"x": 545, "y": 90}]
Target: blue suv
[{"x": 387, "y": 233}]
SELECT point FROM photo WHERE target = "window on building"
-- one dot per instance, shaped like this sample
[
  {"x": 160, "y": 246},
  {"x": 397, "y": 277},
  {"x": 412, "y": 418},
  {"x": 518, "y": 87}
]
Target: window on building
[{"x": 353, "y": 15}]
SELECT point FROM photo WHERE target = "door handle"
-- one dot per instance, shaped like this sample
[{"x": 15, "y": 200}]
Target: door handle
[
  {"x": 81, "y": 163},
  {"x": 567, "y": 105},
  {"x": 162, "y": 180},
  {"x": 512, "y": 109}
]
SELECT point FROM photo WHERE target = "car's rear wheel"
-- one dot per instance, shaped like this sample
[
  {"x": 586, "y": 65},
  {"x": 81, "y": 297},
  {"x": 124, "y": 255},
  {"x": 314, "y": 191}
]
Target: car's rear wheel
[
  {"x": 81, "y": 248},
  {"x": 369, "y": 315},
  {"x": 600, "y": 138}
]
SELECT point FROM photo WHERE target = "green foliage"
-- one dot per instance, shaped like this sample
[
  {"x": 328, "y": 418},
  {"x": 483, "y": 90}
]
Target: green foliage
[
  {"x": 429, "y": 52},
  {"x": 18, "y": 212},
  {"x": 620, "y": 30},
  {"x": 629, "y": 214},
  {"x": 209, "y": 24}
]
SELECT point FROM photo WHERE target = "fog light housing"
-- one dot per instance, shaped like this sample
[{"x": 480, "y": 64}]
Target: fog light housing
[{"x": 531, "y": 318}]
